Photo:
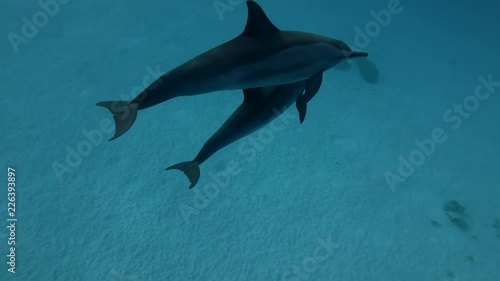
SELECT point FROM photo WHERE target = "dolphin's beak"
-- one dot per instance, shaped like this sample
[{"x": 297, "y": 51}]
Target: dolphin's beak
[{"x": 351, "y": 54}]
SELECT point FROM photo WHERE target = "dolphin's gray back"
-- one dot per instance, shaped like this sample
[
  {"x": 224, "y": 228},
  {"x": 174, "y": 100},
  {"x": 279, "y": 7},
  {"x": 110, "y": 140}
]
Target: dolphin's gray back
[
  {"x": 244, "y": 50},
  {"x": 239, "y": 64}
]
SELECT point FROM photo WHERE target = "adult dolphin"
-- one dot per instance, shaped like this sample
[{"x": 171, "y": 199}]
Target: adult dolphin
[
  {"x": 261, "y": 56},
  {"x": 260, "y": 106}
]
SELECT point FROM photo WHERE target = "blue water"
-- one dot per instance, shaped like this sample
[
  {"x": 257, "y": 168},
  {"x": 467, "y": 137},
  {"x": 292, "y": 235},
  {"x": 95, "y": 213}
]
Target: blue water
[{"x": 322, "y": 200}]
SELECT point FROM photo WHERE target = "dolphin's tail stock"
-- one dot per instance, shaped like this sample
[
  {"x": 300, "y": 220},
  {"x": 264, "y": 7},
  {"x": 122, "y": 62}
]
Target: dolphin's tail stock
[
  {"x": 124, "y": 114},
  {"x": 190, "y": 168}
]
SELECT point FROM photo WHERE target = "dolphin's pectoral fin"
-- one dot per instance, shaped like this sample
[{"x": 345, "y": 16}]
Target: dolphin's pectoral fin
[
  {"x": 301, "y": 105},
  {"x": 312, "y": 88},
  {"x": 258, "y": 22}
]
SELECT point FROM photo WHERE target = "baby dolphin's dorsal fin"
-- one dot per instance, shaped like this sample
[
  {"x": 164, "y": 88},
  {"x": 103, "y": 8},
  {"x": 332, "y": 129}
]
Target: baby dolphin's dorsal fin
[
  {"x": 251, "y": 94},
  {"x": 262, "y": 94},
  {"x": 258, "y": 23}
]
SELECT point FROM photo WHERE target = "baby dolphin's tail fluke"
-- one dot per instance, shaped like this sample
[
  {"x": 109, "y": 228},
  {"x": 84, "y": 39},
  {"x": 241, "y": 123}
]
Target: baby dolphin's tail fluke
[
  {"x": 190, "y": 168},
  {"x": 124, "y": 114}
]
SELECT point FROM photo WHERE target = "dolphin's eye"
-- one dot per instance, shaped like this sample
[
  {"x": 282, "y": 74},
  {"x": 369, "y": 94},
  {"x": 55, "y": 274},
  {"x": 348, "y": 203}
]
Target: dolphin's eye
[{"x": 345, "y": 47}]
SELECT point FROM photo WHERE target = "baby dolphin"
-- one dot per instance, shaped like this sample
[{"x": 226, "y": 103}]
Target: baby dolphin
[
  {"x": 261, "y": 56},
  {"x": 260, "y": 106}
]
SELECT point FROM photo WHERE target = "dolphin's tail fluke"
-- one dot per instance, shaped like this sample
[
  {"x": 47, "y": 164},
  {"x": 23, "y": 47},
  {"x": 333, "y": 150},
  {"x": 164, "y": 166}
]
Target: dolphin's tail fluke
[
  {"x": 124, "y": 114},
  {"x": 191, "y": 169}
]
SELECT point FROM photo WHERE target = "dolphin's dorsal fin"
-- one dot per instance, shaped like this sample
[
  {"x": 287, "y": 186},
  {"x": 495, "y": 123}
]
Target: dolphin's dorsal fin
[{"x": 257, "y": 22}]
